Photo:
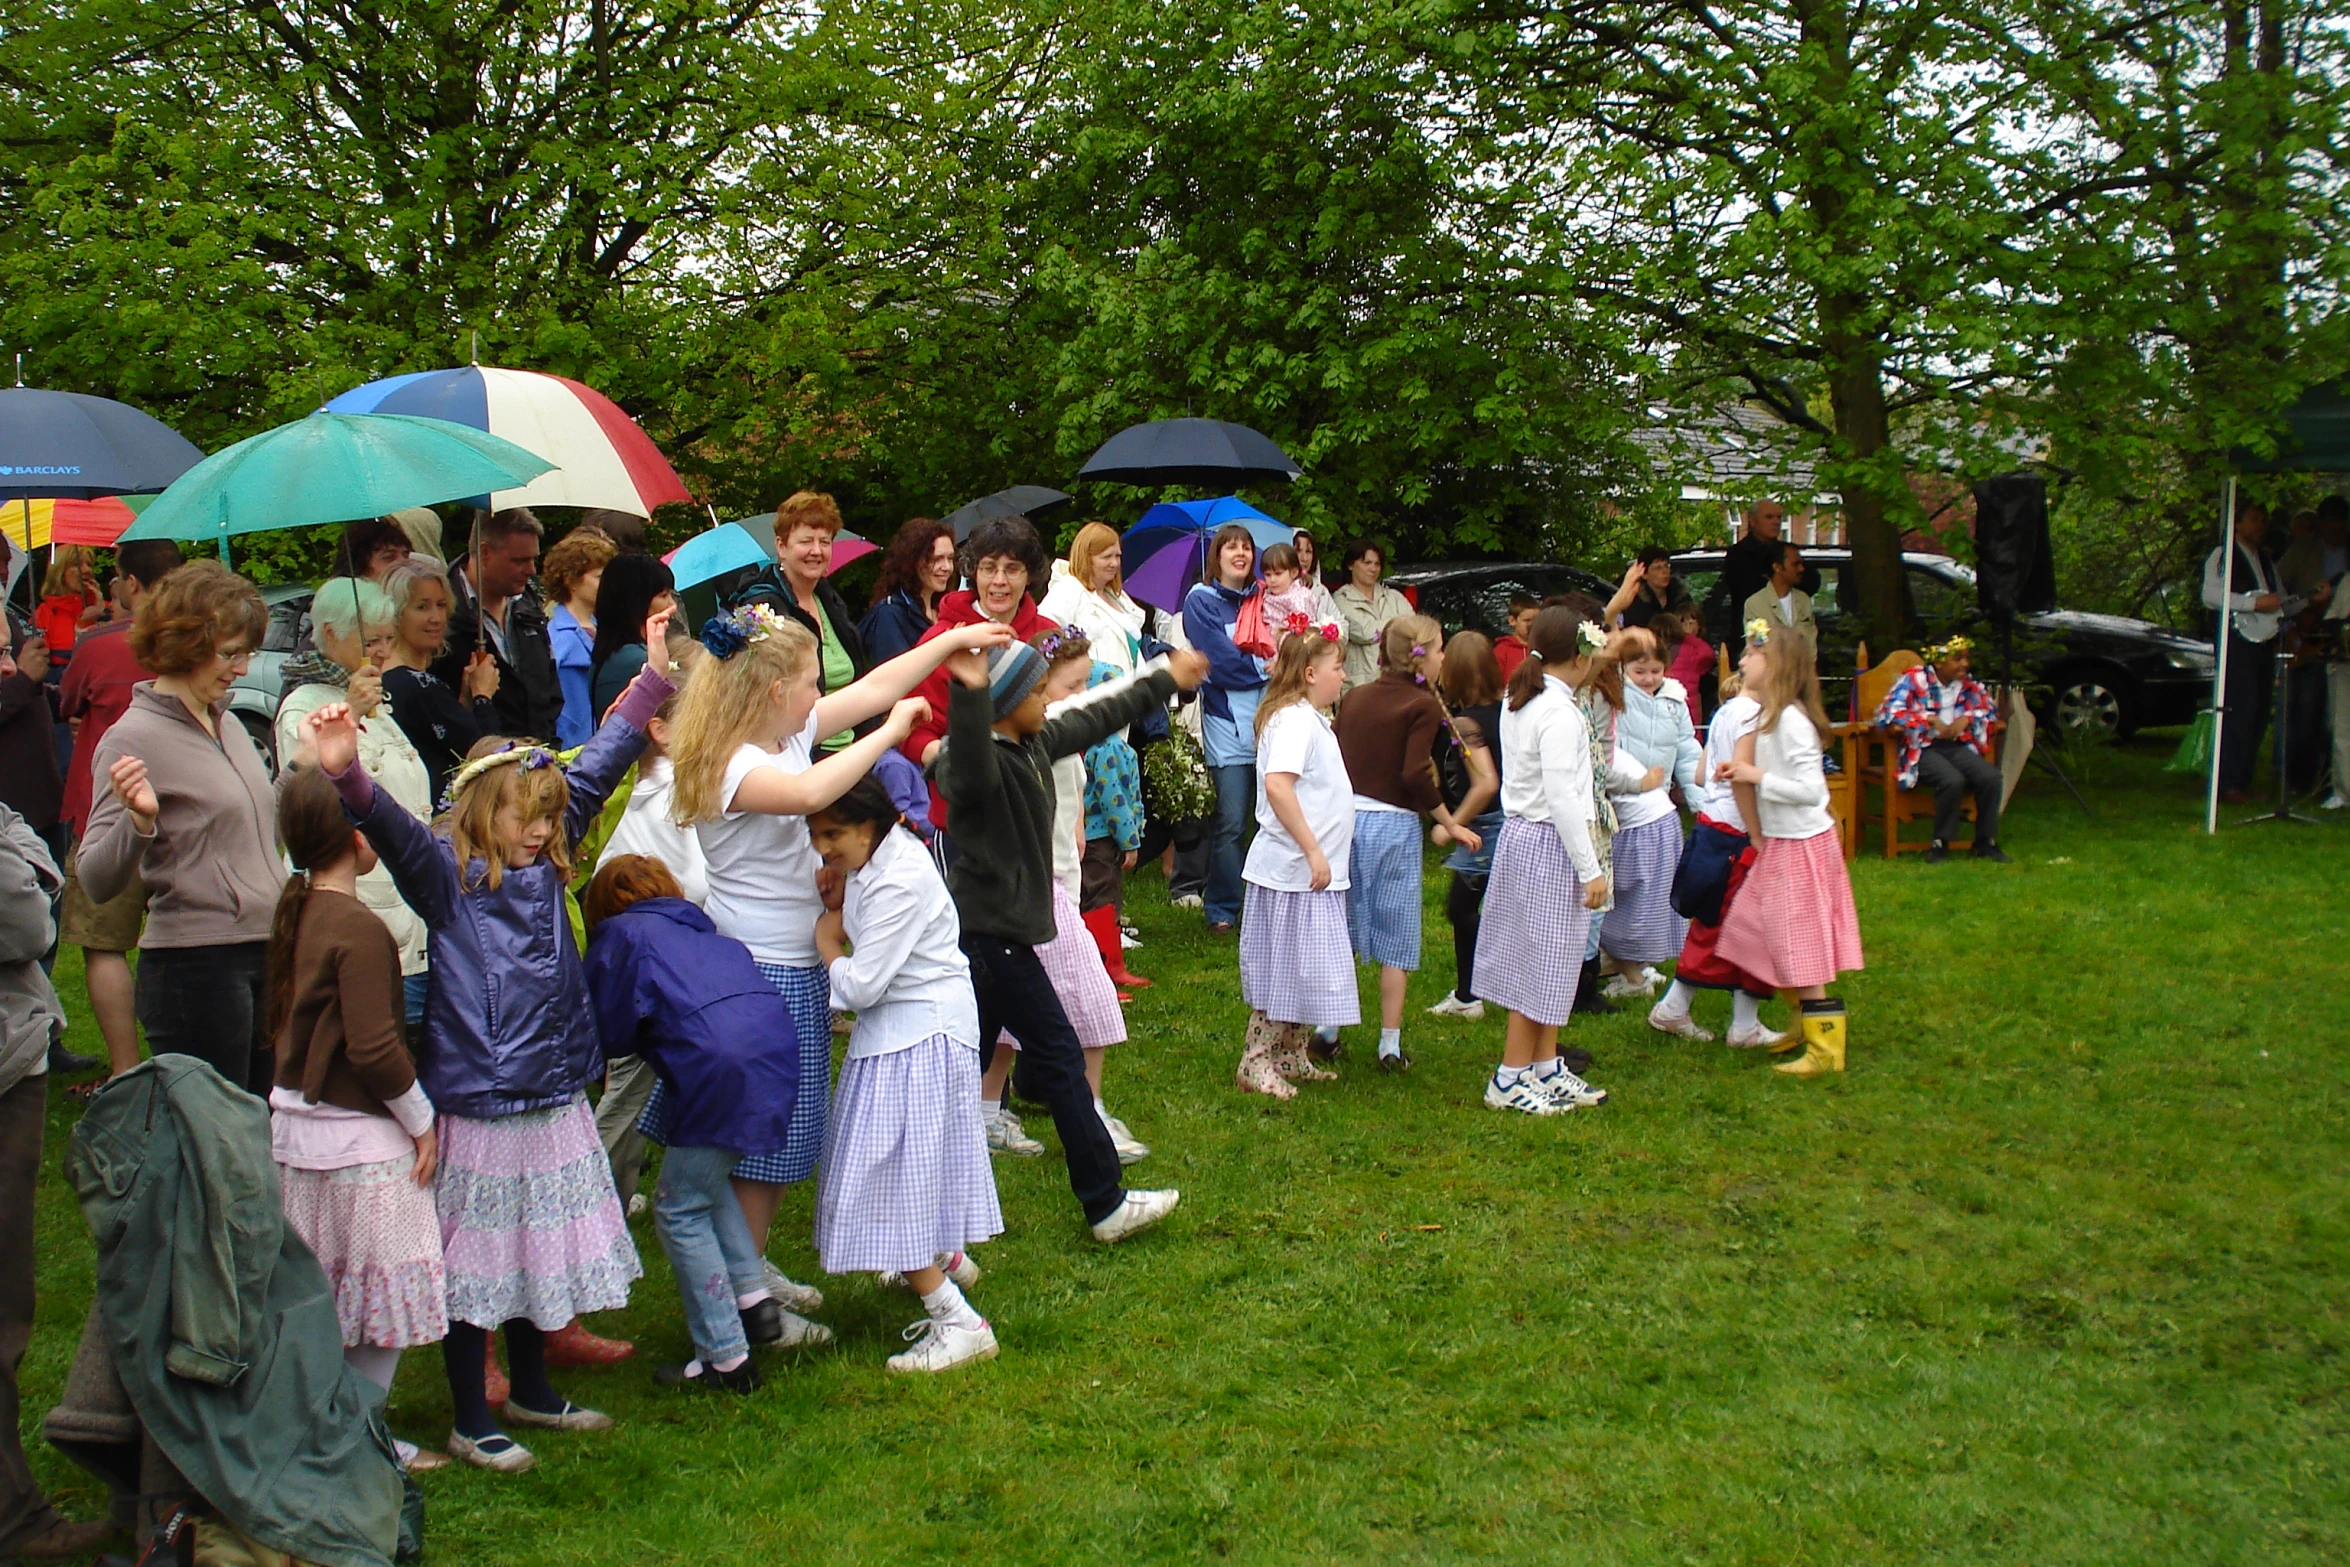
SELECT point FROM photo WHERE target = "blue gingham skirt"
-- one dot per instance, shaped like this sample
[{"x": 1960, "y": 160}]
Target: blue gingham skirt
[
  {"x": 807, "y": 995},
  {"x": 1383, "y": 888},
  {"x": 906, "y": 1174},
  {"x": 1530, "y": 939},
  {"x": 1294, "y": 963},
  {"x": 1642, "y": 927}
]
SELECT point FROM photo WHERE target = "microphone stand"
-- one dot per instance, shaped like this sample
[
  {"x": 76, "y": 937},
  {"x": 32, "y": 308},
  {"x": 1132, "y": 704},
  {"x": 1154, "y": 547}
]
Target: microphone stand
[{"x": 2284, "y": 811}]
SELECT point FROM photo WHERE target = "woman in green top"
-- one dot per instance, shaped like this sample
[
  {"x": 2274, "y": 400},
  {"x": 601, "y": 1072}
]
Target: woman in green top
[{"x": 805, "y": 526}]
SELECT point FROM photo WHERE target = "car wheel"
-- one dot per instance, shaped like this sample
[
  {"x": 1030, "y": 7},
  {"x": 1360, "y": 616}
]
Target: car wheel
[
  {"x": 2093, "y": 701},
  {"x": 264, "y": 740}
]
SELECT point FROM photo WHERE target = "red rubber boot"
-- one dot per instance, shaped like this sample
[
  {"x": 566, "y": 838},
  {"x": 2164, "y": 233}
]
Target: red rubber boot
[{"x": 1103, "y": 924}]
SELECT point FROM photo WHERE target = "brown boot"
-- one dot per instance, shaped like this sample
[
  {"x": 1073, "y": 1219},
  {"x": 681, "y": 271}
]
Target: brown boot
[
  {"x": 1258, "y": 1074},
  {"x": 62, "y": 1541}
]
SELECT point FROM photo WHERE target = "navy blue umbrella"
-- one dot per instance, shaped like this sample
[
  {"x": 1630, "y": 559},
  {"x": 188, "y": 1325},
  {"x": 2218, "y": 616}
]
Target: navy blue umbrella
[
  {"x": 71, "y": 446},
  {"x": 1200, "y": 453},
  {"x": 1021, "y": 500}
]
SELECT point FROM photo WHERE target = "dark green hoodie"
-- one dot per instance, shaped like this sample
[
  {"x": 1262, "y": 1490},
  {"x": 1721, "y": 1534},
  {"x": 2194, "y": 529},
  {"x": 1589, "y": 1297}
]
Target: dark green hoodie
[{"x": 999, "y": 794}]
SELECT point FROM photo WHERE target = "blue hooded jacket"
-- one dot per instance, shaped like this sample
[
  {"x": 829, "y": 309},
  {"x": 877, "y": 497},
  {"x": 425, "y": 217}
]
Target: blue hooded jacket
[
  {"x": 505, "y": 1031},
  {"x": 665, "y": 985}
]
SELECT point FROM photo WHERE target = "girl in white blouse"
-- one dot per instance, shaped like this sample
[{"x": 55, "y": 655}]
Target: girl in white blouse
[
  {"x": 1793, "y": 925},
  {"x": 906, "y": 1183}
]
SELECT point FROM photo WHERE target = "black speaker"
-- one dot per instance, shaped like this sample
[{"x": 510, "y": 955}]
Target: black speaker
[{"x": 2015, "y": 572}]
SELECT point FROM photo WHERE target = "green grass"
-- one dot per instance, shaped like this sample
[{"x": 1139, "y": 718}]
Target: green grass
[{"x": 2056, "y": 1273}]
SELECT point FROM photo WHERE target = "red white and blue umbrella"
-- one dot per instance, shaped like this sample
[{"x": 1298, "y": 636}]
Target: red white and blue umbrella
[{"x": 601, "y": 458}]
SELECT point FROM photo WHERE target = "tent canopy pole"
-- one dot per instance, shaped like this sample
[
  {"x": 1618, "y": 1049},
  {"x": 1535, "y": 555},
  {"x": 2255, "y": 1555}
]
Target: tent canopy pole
[{"x": 2219, "y": 675}]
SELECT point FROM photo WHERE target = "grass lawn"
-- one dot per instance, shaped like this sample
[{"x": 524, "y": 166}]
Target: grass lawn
[{"x": 2056, "y": 1273}]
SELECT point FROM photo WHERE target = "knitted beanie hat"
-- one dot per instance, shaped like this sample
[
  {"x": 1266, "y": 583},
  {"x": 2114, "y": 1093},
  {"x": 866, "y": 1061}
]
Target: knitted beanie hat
[{"x": 1013, "y": 671}]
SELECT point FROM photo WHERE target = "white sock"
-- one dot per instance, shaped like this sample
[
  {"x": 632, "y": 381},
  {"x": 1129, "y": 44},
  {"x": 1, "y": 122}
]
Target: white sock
[
  {"x": 1745, "y": 1011},
  {"x": 1677, "y": 1000},
  {"x": 947, "y": 1306},
  {"x": 1100, "y": 1109},
  {"x": 989, "y": 1109},
  {"x": 1506, "y": 1077},
  {"x": 1327, "y": 1033},
  {"x": 1391, "y": 1041},
  {"x": 746, "y": 1302},
  {"x": 730, "y": 1365},
  {"x": 1547, "y": 1068},
  {"x": 375, "y": 1362}
]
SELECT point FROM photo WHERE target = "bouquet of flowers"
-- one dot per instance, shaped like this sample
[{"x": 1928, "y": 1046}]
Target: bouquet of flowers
[{"x": 1175, "y": 782}]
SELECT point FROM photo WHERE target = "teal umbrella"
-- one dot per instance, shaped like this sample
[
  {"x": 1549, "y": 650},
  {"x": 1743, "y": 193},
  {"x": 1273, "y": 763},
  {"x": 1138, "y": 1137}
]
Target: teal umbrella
[{"x": 333, "y": 468}]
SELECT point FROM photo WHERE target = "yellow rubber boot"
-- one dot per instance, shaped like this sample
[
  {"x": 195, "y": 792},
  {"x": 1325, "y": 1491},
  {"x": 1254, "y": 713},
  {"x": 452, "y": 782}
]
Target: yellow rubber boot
[{"x": 1823, "y": 1046}]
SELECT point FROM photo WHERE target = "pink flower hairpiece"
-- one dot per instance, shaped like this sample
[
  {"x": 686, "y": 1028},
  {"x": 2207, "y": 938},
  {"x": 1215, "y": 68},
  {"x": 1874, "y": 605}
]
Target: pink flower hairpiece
[{"x": 1299, "y": 623}]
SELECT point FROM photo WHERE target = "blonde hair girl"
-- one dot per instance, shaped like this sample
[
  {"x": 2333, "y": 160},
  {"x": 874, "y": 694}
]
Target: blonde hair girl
[
  {"x": 511, "y": 1046},
  {"x": 742, "y": 753}
]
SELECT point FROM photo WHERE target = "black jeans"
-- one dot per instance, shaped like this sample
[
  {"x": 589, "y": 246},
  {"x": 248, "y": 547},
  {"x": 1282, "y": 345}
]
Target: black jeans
[
  {"x": 2303, "y": 733},
  {"x": 1953, "y": 769},
  {"x": 1464, "y": 905},
  {"x": 2252, "y": 675},
  {"x": 209, "y": 1002},
  {"x": 1015, "y": 996},
  {"x": 24, "y": 1511}
]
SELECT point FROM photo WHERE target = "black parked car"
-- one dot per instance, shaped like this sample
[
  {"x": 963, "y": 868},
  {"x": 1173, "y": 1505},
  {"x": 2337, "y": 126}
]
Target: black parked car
[
  {"x": 2102, "y": 672},
  {"x": 1476, "y": 597}
]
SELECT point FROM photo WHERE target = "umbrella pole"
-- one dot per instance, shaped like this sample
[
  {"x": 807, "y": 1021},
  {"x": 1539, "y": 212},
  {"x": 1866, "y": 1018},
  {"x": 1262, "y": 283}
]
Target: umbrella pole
[{"x": 2219, "y": 677}]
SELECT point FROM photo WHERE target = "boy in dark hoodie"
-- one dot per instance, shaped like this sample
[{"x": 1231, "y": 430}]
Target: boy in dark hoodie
[{"x": 995, "y": 772}]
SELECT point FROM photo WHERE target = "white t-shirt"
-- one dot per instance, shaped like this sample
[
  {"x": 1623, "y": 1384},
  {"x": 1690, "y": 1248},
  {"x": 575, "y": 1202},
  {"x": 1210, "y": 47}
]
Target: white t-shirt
[
  {"x": 1299, "y": 740},
  {"x": 1731, "y": 722},
  {"x": 1636, "y": 808},
  {"x": 763, "y": 868},
  {"x": 1950, "y": 696},
  {"x": 1787, "y": 608},
  {"x": 645, "y": 828}
]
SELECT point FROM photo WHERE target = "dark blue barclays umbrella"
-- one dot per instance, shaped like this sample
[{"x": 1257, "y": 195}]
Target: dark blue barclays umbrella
[
  {"x": 71, "y": 446},
  {"x": 1201, "y": 453}
]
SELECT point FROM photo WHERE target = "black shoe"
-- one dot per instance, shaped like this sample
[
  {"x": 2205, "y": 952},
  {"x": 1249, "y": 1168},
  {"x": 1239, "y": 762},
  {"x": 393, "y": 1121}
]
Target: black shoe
[
  {"x": 1989, "y": 851},
  {"x": 70, "y": 1063},
  {"x": 1319, "y": 1049},
  {"x": 763, "y": 1323},
  {"x": 1587, "y": 996},
  {"x": 1399, "y": 1062},
  {"x": 742, "y": 1379},
  {"x": 1576, "y": 1060},
  {"x": 1937, "y": 852}
]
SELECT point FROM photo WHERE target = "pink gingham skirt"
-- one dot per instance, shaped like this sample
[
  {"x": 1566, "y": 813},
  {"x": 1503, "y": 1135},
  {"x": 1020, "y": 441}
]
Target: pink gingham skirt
[{"x": 1792, "y": 923}]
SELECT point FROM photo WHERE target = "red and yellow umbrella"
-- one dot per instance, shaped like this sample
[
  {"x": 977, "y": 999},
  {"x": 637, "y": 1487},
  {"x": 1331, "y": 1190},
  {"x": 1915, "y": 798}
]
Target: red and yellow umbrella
[{"x": 99, "y": 522}]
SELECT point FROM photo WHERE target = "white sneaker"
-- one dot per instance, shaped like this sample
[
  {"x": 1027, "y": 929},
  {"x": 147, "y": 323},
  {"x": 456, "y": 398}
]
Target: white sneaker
[
  {"x": 957, "y": 1266},
  {"x": 637, "y": 1204},
  {"x": 788, "y": 1295},
  {"x": 1453, "y": 1006},
  {"x": 1631, "y": 982},
  {"x": 1525, "y": 1096},
  {"x": 1188, "y": 900},
  {"x": 1680, "y": 1023},
  {"x": 2337, "y": 801},
  {"x": 1129, "y": 940},
  {"x": 1571, "y": 1092},
  {"x": 941, "y": 1346},
  {"x": 1755, "y": 1038},
  {"x": 1137, "y": 1213},
  {"x": 800, "y": 1333},
  {"x": 1131, "y": 1149},
  {"x": 1005, "y": 1134}
]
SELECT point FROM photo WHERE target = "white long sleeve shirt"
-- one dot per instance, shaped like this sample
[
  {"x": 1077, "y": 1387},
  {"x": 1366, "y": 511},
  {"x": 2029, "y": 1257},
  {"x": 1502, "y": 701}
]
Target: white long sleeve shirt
[
  {"x": 906, "y": 977},
  {"x": 1732, "y": 721},
  {"x": 2253, "y": 625},
  {"x": 1546, "y": 770},
  {"x": 1794, "y": 789}
]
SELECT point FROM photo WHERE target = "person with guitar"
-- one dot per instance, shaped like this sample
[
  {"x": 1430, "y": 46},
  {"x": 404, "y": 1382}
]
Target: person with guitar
[
  {"x": 2243, "y": 576},
  {"x": 2318, "y": 556}
]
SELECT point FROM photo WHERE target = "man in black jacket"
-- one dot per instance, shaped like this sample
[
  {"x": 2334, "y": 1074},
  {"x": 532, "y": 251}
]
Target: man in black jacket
[
  {"x": 1746, "y": 568},
  {"x": 529, "y": 694}
]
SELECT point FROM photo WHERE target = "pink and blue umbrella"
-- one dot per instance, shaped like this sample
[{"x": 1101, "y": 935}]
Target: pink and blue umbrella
[
  {"x": 601, "y": 458},
  {"x": 1166, "y": 552}
]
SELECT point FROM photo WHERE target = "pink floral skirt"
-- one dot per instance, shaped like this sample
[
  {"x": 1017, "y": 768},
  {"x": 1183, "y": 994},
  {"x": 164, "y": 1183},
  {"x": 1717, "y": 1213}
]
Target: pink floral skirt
[
  {"x": 378, "y": 1236},
  {"x": 1792, "y": 923}
]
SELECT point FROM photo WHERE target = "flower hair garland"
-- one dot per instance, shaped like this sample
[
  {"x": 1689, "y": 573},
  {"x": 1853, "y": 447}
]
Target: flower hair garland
[
  {"x": 1052, "y": 642},
  {"x": 1950, "y": 647},
  {"x": 1758, "y": 631},
  {"x": 728, "y": 634},
  {"x": 1591, "y": 636},
  {"x": 530, "y": 758}
]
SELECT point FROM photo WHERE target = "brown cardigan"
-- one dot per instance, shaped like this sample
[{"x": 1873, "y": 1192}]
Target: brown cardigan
[
  {"x": 342, "y": 1043},
  {"x": 1387, "y": 733}
]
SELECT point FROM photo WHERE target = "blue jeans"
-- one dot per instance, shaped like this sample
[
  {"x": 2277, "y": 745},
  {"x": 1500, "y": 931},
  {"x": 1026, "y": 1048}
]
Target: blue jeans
[
  {"x": 414, "y": 988},
  {"x": 710, "y": 1249},
  {"x": 1236, "y": 806}
]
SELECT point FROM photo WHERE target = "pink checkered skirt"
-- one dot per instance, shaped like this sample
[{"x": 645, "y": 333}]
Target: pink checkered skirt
[
  {"x": 1074, "y": 965},
  {"x": 1792, "y": 923}
]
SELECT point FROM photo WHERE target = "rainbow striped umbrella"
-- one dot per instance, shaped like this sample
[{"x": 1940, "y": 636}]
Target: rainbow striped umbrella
[{"x": 601, "y": 458}]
